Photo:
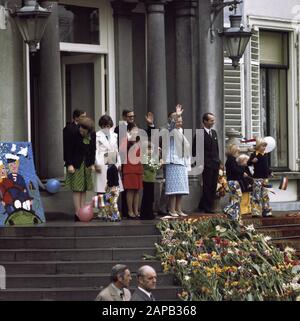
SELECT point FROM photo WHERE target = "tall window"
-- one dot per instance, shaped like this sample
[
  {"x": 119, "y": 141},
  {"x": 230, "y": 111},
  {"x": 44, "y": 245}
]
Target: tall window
[
  {"x": 274, "y": 103},
  {"x": 78, "y": 24}
]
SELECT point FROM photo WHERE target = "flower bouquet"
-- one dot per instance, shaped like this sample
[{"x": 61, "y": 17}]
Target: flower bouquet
[
  {"x": 217, "y": 259},
  {"x": 222, "y": 186}
]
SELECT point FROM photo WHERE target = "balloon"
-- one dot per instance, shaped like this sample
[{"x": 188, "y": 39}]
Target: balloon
[
  {"x": 271, "y": 144},
  {"x": 53, "y": 186},
  {"x": 86, "y": 213}
]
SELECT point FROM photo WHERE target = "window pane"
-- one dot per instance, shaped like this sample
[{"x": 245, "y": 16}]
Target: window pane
[
  {"x": 274, "y": 113},
  {"x": 273, "y": 48},
  {"x": 78, "y": 24},
  {"x": 80, "y": 88}
]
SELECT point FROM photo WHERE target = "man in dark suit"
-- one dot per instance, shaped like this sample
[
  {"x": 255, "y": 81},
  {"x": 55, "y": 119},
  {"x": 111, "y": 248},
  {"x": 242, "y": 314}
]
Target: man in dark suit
[
  {"x": 146, "y": 283},
  {"x": 211, "y": 164},
  {"x": 127, "y": 117}
]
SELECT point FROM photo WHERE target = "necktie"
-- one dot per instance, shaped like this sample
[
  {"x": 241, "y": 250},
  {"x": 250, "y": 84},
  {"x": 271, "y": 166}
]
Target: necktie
[
  {"x": 151, "y": 297},
  {"x": 210, "y": 133}
]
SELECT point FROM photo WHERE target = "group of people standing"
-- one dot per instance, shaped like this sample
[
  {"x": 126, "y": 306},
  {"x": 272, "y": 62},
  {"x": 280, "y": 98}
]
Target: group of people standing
[
  {"x": 248, "y": 188},
  {"x": 106, "y": 155},
  {"x": 102, "y": 154}
]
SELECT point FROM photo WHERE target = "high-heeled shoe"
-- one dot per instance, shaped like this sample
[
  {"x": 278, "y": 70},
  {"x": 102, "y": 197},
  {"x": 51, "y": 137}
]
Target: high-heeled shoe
[
  {"x": 131, "y": 216},
  {"x": 173, "y": 214},
  {"x": 180, "y": 213}
]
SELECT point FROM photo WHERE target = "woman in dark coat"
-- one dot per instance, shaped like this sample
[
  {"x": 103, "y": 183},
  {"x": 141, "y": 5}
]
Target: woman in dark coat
[{"x": 80, "y": 158}]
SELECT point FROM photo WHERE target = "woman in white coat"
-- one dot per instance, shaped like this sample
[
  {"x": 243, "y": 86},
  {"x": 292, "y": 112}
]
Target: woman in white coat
[{"x": 106, "y": 148}]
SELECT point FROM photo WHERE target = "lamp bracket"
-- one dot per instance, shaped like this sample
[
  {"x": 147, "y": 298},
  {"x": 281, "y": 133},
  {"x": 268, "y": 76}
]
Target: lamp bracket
[{"x": 217, "y": 7}]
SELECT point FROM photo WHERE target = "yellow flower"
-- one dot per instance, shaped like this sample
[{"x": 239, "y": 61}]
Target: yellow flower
[
  {"x": 235, "y": 283},
  {"x": 218, "y": 270},
  {"x": 166, "y": 267},
  {"x": 183, "y": 295},
  {"x": 205, "y": 290},
  {"x": 208, "y": 269},
  {"x": 208, "y": 274},
  {"x": 195, "y": 264}
]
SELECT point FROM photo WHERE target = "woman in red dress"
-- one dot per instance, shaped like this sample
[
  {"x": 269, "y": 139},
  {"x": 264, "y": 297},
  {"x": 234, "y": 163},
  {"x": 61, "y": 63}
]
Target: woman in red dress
[{"x": 132, "y": 169}]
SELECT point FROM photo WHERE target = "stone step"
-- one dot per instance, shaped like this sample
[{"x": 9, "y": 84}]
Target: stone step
[
  {"x": 69, "y": 280},
  {"x": 65, "y": 229},
  {"x": 74, "y": 267},
  {"x": 77, "y": 242},
  {"x": 162, "y": 293},
  {"x": 82, "y": 254},
  {"x": 282, "y": 219},
  {"x": 293, "y": 241},
  {"x": 280, "y": 230}
]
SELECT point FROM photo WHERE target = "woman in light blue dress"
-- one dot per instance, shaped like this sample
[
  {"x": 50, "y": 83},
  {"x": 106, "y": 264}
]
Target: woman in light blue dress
[{"x": 177, "y": 165}]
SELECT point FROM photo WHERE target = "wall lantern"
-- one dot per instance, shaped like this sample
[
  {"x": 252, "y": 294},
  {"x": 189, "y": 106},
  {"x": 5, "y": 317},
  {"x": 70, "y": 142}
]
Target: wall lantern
[
  {"x": 31, "y": 21},
  {"x": 236, "y": 37}
]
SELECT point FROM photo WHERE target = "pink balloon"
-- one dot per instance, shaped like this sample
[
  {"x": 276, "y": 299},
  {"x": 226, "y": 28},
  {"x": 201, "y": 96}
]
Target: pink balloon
[{"x": 86, "y": 213}]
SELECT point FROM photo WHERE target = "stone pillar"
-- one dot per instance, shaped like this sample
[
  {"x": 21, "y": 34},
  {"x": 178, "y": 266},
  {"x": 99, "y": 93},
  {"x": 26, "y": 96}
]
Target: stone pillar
[
  {"x": 211, "y": 71},
  {"x": 185, "y": 11},
  {"x": 156, "y": 61},
  {"x": 50, "y": 113},
  {"x": 123, "y": 54},
  {"x": 13, "y": 124}
]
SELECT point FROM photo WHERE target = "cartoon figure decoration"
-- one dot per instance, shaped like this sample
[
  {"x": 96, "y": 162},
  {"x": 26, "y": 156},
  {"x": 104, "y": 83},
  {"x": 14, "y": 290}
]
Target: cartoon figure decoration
[{"x": 20, "y": 202}]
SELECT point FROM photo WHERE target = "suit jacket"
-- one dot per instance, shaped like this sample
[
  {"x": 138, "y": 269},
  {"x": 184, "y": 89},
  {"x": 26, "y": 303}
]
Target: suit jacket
[
  {"x": 211, "y": 150},
  {"x": 111, "y": 294},
  {"x": 139, "y": 295},
  {"x": 75, "y": 151},
  {"x": 68, "y": 132}
]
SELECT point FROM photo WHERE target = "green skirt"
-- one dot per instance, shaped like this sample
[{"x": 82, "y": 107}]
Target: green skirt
[{"x": 81, "y": 180}]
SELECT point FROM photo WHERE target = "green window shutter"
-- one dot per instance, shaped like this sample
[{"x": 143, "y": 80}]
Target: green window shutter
[
  {"x": 233, "y": 100},
  {"x": 255, "y": 85}
]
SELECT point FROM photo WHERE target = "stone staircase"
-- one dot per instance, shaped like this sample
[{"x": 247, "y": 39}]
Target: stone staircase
[
  {"x": 283, "y": 228},
  {"x": 72, "y": 261},
  {"x": 67, "y": 261}
]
